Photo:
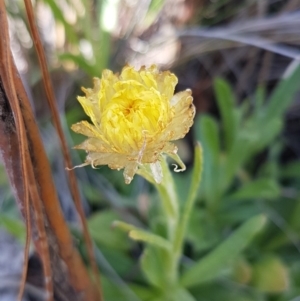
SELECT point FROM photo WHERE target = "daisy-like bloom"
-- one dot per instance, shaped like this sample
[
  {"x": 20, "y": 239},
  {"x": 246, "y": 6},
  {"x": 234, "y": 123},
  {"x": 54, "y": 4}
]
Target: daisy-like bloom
[{"x": 134, "y": 117}]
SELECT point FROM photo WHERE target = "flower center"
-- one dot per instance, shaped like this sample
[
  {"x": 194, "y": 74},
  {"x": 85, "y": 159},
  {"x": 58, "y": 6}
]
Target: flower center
[{"x": 134, "y": 119}]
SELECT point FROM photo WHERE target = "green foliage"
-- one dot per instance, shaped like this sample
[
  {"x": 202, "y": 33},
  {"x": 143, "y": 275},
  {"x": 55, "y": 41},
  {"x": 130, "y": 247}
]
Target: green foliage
[
  {"x": 13, "y": 226},
  {"x": 153, "y": 261},
  {"x": 230, "y": 245},
  {"x": 264, "y": 188},
  {"x": 245, "y": 135},
  {"x": 270, "y": 275},
  {"x": 111, "y": 237},
  {"x": 226, "y": 219},
  {"x": 212, "y": 265},
  {"x": 224, "y": 222}
]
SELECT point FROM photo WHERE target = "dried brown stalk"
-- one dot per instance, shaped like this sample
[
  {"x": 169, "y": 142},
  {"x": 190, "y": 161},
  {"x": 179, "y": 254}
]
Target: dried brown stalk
[
  {"x": 67, "y": 158},
  {"x": 30, "y": 176}
]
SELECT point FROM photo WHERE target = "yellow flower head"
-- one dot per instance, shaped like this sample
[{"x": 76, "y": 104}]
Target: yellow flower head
[{"x": 135, "y": 116}]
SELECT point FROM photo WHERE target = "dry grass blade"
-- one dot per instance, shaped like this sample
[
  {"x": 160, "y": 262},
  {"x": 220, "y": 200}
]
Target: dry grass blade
[
  {"x": 54, "y": 111},
  {"x": 54, "y": 242},
  {"x": 29, "y": 187},
  {"x": 20, "y": 142},
  {"x": 74, "y": 278},
  {"x": 9, "y": 146},
  {"x": 42, "y": 235},
  {"x": 263, "y": 33}
]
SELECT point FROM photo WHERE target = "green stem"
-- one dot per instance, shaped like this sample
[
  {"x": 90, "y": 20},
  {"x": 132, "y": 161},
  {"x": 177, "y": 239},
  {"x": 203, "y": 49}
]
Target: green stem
[
  {"x": 168, "y": 196},
  {"x": 183, "y": 224},
  {"x": 167, "y": 193},
  {"x": 176, "y": 225},
  {"x": 170, "y": 206}
]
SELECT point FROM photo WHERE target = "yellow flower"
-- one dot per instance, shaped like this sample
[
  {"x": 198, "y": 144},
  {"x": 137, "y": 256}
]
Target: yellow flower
[{"x": 135, "y": 116}]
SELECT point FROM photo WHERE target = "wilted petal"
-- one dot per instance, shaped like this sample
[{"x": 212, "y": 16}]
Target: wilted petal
[
  {"x": 130, "y": 171},
  {"x": 113, "y": 160},
  {"x": 184, "y": 115},
  {"x": 166, "y": 82},
  {"x": 170, "y": 148},
  {"x": 85, "y": 128},
  {"x": 94, "y": 145},
  {"x": 90, "y": 109},
  {"x": 129, "y": 73},
  {"x": 156, "y": 171}
]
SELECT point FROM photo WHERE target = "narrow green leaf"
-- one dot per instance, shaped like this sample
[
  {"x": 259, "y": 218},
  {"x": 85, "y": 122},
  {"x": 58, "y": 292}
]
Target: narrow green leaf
[
  {"x": 80, "y": 61},
  {"x": 251, "y": 139},
  {"x": 210, "y": 267},
  {"x": 142, "y": 235},
  {"x": 86, "y": 22},
  {"x": 225, "y": 99},
  {"x": 257, "y": 189},
  {"x": 123, "y": 226},
  {"x": 58, "y": 15},
  {"x": 144, "y": 292},
  {"x": 182, "y": 295},
  {"x": 266, "y": 133},
  {"x": 208, "y": 134},
  {"x": 238, "y": 212},
  {"x": 152, "y": 239},
  {"x": 155, "y": 6},
  {"x": 209, "y": 137},
  {"x": 101, "y": 43},
  {"x": 235, "y": 158},
  {"x": 189, "y": 204},
  {"x": 282, "y": 97},
  {"x": 102, "y": 50},
  {"x": 178, "y": 294},
  {"x": 196, "y": 179},
  {"x": 153, "y": 264}
]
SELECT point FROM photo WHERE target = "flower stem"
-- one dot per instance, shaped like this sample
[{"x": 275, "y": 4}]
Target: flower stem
[
  {"x": 169, "y": 199},
  {"x": 177, "y": 224}
]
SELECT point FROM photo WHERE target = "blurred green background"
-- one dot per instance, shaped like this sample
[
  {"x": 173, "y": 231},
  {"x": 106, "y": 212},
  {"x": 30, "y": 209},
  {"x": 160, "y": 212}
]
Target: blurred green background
[{"x": 240, "y": 60}]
